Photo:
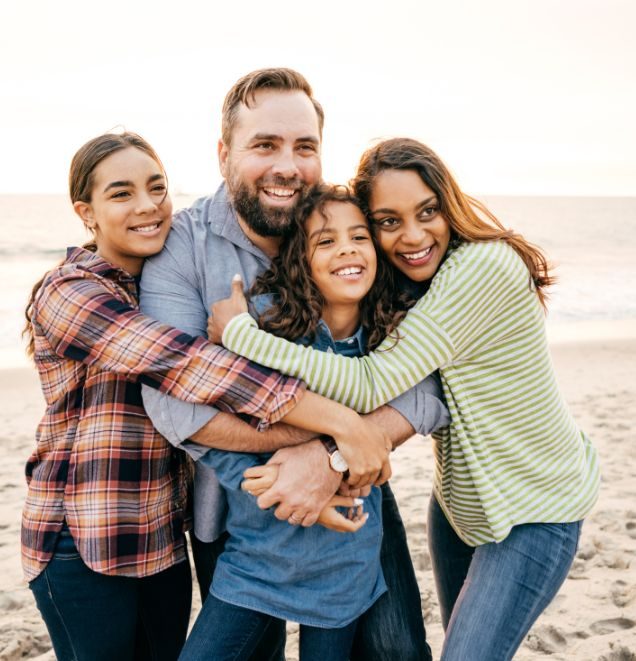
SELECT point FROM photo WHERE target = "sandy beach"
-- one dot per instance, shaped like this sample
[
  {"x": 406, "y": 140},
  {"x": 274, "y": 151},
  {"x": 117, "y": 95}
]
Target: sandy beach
[{"x": 594, "y": 615}]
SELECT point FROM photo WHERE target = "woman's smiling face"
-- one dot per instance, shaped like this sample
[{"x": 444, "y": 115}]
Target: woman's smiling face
[{"x": 412, "y": 232}]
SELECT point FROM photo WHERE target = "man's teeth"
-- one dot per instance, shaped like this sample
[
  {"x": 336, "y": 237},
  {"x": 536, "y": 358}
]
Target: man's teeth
[
  {"x": 146, "y": 228},
  {"x": 417, "y": 255},
  {"x": 351, "y": 270},
  {"x": 280, "y": 192}
]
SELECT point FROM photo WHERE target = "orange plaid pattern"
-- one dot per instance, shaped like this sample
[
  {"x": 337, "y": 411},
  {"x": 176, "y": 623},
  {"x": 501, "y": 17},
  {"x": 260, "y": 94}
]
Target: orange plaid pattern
[{"x": 99, "y": 463}]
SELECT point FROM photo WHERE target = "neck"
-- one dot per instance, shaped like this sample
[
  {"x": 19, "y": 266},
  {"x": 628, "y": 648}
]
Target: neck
[
  {"x": 343, "y": 320},
  {"x": 268, "y": 244},
  {"x": 133, "y": 265}
]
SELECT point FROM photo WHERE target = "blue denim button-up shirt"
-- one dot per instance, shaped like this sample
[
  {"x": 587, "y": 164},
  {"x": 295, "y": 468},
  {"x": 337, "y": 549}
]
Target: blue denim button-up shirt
[{"x": 313, "y": 575}]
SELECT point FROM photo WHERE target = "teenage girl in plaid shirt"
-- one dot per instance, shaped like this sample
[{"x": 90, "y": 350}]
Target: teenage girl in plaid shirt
[{"x": 103, "y": 525}]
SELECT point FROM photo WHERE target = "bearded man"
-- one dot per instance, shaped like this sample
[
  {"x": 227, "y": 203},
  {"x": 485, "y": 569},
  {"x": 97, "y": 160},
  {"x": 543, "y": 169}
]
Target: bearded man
[{"x": 269, "y": 156}]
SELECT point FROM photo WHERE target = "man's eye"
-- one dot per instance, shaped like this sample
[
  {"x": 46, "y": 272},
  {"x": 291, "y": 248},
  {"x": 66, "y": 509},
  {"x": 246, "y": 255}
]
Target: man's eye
[
  {"x": 265, "y": 146},
  {"x": 308, "y": 148}
]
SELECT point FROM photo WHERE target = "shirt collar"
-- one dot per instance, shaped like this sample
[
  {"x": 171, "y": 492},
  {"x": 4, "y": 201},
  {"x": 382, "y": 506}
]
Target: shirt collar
[
  {"x": 324, "y": 337},
  {"x": 90, "y": 261},
  {"x": 222, "y": 218}
]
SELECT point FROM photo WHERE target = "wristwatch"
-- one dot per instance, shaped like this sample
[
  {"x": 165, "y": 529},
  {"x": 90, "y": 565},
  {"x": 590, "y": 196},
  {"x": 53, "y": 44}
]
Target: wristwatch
[{"x": 336, "y": 460}]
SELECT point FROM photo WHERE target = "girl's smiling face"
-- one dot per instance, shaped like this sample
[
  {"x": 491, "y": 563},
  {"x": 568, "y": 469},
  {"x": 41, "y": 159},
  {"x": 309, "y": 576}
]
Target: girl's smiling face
[
  {"x": 411, "y": 230},
  {"x": 341, "y": 255},
  {"x": 130, "y": 211}
]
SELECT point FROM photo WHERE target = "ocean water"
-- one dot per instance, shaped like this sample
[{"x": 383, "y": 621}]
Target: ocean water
[{"x": 590, "y": 241}]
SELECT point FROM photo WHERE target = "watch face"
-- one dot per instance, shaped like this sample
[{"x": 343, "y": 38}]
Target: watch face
[{"x": 338, "y": 462}]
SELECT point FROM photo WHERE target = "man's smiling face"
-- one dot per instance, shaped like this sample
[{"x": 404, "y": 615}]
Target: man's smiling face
[{"x": 273, "y": 159}]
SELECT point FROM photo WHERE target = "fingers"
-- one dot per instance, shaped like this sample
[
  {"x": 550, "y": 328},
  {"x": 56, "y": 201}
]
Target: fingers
[
  {"x": 259, "y": 479},
  {"x": 360, "y": 480},
  {"x": 237, "y": 291},
  {"x": 334, "y": 520},
  {"x": 345, "y": 501},
  {"x": 385, "y": 473},
  {"x": 237, "y": 284},
  {"x": 346, "y": 490},
  {"x": 309, "y": 519}
]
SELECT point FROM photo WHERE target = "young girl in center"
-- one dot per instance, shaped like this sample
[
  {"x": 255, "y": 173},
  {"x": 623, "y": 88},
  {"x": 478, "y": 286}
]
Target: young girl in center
[{"x": 326, "y": 289}]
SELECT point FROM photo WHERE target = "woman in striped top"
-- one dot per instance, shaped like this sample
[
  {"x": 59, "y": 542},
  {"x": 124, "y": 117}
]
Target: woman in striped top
[{"x": 514, "y": 476}]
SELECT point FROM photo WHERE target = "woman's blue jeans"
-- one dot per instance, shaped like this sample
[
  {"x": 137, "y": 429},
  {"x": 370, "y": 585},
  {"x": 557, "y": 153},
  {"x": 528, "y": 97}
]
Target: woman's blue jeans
[
  {"x": 491, "y": 595},
  {"x": 95, "y": 617},
  {"x": 225, "y": 632}
]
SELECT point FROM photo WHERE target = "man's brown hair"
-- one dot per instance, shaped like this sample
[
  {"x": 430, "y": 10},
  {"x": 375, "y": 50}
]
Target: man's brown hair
[{"x": 244, "y": 91}]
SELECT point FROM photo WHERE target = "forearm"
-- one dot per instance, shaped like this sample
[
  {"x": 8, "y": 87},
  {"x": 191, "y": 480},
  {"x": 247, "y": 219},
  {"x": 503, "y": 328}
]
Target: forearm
[
  {"x": 363, "y": 383},
  {"x": 227, "y": 432},
  {"x": 318, "y": 414},
  {"x": 394, "y": 424}
]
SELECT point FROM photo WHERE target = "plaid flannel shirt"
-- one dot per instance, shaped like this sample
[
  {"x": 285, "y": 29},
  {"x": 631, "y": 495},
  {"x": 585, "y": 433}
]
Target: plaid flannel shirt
[{"x": 99, "y": 463}]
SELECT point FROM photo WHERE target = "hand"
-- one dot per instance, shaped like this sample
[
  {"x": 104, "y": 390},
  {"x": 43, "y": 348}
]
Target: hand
[
  {"x": 226, "y": 309},
  {"x": 305, "y": 483},
  {"x": 258, "y": 479},
  {"x": 331, "y": 518},
  {"x": 347, "y": 490},
  {"x": 365, "y": 447}
]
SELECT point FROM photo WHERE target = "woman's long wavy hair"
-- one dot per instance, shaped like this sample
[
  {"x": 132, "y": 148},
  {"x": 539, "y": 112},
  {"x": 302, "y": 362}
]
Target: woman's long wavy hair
[
  {"x": 81, "y": 180},
  {"x": 469, "y": 219},
  {"x": 298, "y": 303}
]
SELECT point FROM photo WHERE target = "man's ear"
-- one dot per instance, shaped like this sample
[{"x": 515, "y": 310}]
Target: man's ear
[
  {"x": 85, "y": 212},
  {"x": 223, "y": 152}
]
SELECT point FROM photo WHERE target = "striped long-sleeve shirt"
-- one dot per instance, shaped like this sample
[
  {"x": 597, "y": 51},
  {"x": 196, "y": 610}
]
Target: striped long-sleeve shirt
[
  {"x": 99, "y": 463},
  {"x": 512, "y": 454}
]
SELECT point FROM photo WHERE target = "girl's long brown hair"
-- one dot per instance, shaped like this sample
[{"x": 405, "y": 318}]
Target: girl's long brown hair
[
  {"x": 298, "y": 303},
  {"x": 469, "y": 219},
  {"x": 81, "y": 180}
]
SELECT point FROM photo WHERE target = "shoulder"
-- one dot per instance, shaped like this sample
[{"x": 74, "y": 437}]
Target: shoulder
[{"x": 480, "y": 258}]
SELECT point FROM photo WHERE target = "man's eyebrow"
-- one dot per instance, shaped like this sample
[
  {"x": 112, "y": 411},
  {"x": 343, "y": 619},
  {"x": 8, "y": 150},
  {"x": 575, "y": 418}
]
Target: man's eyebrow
[
  {"x": 309, "y": 138},
  {"x": 266, "y": 136}
]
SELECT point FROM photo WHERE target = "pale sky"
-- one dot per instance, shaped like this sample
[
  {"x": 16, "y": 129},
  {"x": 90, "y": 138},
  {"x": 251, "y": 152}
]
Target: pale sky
[{"x": 517, "y": 96}]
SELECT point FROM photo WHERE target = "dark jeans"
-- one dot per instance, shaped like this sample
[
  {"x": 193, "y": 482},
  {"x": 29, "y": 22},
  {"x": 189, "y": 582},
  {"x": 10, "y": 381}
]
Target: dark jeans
[
  {"x": 392, "y": 628},
  {"x": 95, "y": 617},
  {"x": 490, "y": 595},
  {"x": 271, "y": 644},
  {"x": 225, "y": 632}
]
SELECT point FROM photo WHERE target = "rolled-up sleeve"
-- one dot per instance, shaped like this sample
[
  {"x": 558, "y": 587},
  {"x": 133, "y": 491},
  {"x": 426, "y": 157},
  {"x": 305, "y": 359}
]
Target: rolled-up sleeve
[{"x": 423, "y": 406}]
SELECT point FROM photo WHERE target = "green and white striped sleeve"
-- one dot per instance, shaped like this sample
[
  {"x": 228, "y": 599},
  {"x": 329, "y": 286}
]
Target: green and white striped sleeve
[
  {"x": 360, "y": 383},
  {"x": 466, "y": 294}
]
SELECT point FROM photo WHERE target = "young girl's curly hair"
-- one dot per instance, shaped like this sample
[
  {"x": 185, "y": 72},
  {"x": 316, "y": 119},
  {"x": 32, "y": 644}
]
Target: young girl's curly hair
[{"x": 298, "y": 303}]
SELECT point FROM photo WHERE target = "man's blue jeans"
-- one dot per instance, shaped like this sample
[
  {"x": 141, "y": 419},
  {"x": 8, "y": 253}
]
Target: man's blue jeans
[
  {"x": 95, "y": 617},
  {"x": 225, "y": 632},
  {"x": 393, "y": 628},
  {"x": 492, "y": 594}
]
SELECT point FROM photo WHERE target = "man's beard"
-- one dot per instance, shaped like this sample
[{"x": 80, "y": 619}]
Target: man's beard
[{"x": 263, "y": 220}]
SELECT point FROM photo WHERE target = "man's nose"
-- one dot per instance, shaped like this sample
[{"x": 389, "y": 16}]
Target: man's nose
[{"x": 285, "y": 164}]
